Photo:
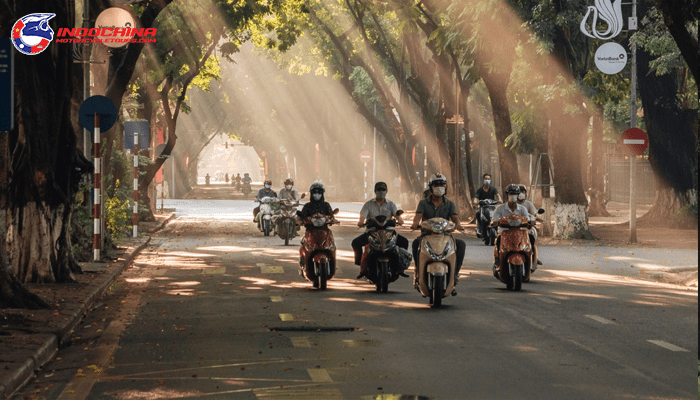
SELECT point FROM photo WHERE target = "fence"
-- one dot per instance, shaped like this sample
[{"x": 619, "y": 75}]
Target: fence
[{"x": 617, "y": 180}]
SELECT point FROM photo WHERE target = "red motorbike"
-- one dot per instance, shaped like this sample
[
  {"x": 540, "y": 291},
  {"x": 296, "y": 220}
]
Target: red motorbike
[
  {"x": 317, "y": 250},
  {"x": 514, "y": 253}
]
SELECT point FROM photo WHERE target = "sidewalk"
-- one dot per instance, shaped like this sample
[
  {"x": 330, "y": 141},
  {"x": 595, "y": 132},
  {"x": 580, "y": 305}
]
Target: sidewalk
[{"x": 30, "y": 338}]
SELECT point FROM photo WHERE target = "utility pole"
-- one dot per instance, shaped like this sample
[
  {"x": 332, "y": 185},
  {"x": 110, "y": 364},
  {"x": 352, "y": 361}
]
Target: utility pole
[{"x": 633, "y": 124}]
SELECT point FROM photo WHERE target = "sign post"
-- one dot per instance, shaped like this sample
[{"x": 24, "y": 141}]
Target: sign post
[
  {"x": 7, "y": 90},
  {"x": 633, "y": 141}
]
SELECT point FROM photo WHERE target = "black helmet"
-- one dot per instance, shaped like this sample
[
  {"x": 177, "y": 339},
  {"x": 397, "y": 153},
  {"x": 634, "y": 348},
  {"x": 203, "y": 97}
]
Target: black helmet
[
  {"x": 380, "y": 186},
  {"x": 317, "y": 187},
  {"x": 513, "y": 189}
]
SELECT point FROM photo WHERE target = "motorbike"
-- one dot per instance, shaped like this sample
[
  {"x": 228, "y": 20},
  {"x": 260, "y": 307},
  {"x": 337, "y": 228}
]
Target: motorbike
[
  {"x": 264, "y": 217},
  {"x": 245, "y": 188},
  {"x": 514, "y": 252},
  {"x": 285, "y": 219},
  {"x": 381, "y": 256},
  {"x": 484, "y": 231},
  {"x": 206, "y": 180},
  {"x": 317, "y": 250},
  {"x": 434, "y": 272}
]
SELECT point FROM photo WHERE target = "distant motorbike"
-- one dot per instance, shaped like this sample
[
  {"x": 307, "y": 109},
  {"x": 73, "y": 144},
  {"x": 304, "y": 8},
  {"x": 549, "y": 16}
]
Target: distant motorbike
[
  {"x": 381, "y": 257},
  {"x": 245, "y": 188},
  {"x": 264, "y": 217},
  {"x": 484, "y": 231},
  {"x": 437, "y": 259},
  {"x": 514, "y": 252},
  {"x": 285, "y": 219},
  {"x": 317, "y": 250}
]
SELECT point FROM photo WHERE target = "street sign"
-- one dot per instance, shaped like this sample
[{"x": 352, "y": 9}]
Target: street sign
[
  {"x": 7, "y": 90},
  {"x": 610, "y": 58},
  {"x": 97, "y": 105},
  {"x": 131, "y": 127},
  {"x": 365, "y": 156},
  {"x": 634, "y": 141}
]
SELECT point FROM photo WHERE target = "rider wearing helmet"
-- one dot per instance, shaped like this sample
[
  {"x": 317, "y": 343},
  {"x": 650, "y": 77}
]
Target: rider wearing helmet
[
  {"x": 266, "y": 191},
  {"x": 506, "y": 209},
  {"x": 436, "y": 205},
  {"x": 522, "y": 200},
  {"x": 318, "y": 204},
  {"x": 288, "y": 191}
]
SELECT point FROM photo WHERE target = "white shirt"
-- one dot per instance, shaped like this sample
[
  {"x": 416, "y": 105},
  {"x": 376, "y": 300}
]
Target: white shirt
[
  {"x": 289, "y": 194},
  {"x": 372, "y": 209}
]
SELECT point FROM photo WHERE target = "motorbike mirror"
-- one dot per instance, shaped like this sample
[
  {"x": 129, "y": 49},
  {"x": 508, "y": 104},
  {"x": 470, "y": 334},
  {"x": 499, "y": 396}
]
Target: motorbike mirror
[
  {"x": 540, "y": 211},
  {"x": 303, "y": 195},
  {"x": 298, "y": 214},
  {"x": 336, "y": 211},
  {"x": 399, "y": 212}
]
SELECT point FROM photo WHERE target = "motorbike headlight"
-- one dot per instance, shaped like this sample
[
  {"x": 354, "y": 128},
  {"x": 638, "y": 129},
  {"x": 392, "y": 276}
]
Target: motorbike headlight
[
  {"x": 318, "y": 222},
  {"x": 448, "y": 248},
  {"x": 391, "y": 242},
  {"x": 438, "y": 226}
]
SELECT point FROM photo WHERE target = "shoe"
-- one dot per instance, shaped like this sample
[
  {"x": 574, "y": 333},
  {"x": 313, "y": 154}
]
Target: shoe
[
  {"x": 539, "y": 262},
  {"x": 403, "y": 274},
  {"x": 495, "y": 271},
  {"x": 360, "y": 276},
  {"x": 454, "y": 292}
]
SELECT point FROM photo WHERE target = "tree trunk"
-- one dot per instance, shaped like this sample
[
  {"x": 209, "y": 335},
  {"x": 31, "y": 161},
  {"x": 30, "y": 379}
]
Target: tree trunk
[{"x": 596, "y": 193}]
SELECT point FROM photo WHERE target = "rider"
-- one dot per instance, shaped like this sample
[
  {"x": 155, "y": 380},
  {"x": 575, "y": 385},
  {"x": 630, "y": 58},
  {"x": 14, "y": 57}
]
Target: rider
[
  {"x": 206, "y": 179},
  {"x": 247, "y": 178},
  {"x": 506, "y": 209},
  {"x": 533, "y": 213},
  {"x": 236, "y": 181},
  {"x": 372, "y": 209},
  {"x": 288, "y": 191},
  {"x": 266, "y": 191},
  {"x": 437, "y": 205},
  {"x": 485, "y": 192},
  {"x": 318, "y": 204}
]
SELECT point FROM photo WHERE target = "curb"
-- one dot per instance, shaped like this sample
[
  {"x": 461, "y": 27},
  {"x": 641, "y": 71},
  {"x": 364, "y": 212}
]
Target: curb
[{"x": 18, "y": 377}]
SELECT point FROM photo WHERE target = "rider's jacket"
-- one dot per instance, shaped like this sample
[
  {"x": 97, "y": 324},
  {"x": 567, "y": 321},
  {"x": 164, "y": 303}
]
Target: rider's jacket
[
  {"x": 289, "y": 194},
  {"x": 262, "y": 193}
]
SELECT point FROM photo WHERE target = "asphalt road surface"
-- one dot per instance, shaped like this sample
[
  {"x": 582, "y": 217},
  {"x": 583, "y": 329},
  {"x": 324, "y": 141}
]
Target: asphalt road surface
[{"x": 214, "y": 310}]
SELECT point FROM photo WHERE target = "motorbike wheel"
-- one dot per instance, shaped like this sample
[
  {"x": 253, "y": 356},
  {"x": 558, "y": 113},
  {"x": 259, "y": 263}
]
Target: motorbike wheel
[
  {"x": 517, "y": 278},
  {"x": 286, "y": 241},
  {"x": 492, "y": 237},
  {"x": 438, "y": 291},
  {"x": 487, "y": 237},
  {"x": 323, "y": 276},
  {"x": 266, "y": 227},
  {"x": 383, "y": 278}
]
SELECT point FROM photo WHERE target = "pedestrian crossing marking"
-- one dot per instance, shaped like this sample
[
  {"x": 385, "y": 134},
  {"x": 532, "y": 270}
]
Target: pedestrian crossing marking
[
  {"x": 599, "y": 319},
  {"x": 272, "y": 269},
  {"x": 276, "y": 299},
  {"x": 667, "y": 345},
  {"x": 286, "y": 317},
  {"x": 300, "y": 342},
  {"x": 319, "y": 375},
  {"x": 214, "y": 271}
]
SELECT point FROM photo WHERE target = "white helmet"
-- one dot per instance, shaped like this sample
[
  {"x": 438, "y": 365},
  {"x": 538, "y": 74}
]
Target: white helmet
[
  {"x": 318, "y": 186},
  {"x": 437, "y": 178}
]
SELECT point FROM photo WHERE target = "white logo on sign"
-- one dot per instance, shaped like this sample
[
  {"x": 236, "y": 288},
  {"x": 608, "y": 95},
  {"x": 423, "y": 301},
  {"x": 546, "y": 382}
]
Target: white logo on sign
[
  {"x": 610, "y": 58},
  {"x": 609, "y": 12}
]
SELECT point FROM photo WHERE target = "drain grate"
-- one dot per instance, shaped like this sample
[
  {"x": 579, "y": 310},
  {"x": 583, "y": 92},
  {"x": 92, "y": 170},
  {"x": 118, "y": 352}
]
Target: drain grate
[{"x": 314, "y": 329}]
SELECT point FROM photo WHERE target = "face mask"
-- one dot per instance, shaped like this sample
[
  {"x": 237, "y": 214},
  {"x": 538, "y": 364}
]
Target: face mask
[
  {"x": 267, "y": 186},
  {"x": 487, "y": 181},
  {"x": 512, "y": 198},
  {"x": 521, "y": 196},
  {"x": 316, "y": 196},
  {"x": 381, "y": 194},
  {"x": 288, "y": 187},
  {"x": 439, "y": 191}
]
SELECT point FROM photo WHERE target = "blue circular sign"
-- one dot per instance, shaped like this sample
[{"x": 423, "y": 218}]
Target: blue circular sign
[{"x": 97, "y": 105}]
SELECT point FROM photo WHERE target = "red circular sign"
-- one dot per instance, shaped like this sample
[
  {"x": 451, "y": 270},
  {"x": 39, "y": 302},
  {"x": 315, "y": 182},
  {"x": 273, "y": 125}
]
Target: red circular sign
[{"x": 634, "y": 141}]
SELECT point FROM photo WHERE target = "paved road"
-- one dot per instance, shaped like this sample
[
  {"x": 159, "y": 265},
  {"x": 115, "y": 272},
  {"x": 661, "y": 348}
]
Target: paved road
[{"x": 214, "y": 310}]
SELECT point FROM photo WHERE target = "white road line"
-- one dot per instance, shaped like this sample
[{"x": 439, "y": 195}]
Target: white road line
[
  {"x": 667, "y": 345},
  {"x": 600, "y": 319},
  {"x": 276, "y": 299},
  {"x": 300, "y": 342},
  {"x": 319, "y": 375}
]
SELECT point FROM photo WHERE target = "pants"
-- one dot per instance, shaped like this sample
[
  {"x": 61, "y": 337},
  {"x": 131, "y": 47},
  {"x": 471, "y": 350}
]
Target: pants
[
  {"x": 256, "y": 210},
  {"x": 361, "y": 241},
  {"x": 461, "y": 249}
]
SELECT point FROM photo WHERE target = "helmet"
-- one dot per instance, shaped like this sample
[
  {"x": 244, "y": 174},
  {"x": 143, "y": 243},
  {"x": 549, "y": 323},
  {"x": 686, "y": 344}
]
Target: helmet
[
  {"x": 513, "y": 189},
  {"x": 522, "y": 188},
  {"x": 380, "y": 186},
  {"x": 268, "y": 182},
  {"x": 246, "y": 174},
  {"x": 317, "y": 187},
  {"x": 289, "y": 181},
  {"x": 436, "y": 179}
]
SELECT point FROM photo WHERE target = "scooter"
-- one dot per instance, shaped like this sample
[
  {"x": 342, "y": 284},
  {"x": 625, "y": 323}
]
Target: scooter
[
  {"x": 484, "y": 231},
  {"x": 285, "y": 219},
  {"x": 264, "y": 217},
  {"x": 245, "y": 188},
  {"x": 317, "y": 250},
  {"x": 381, "y": 258},
  {"x": 437, "y": 258},
  {"x": 514, "y": 252}
]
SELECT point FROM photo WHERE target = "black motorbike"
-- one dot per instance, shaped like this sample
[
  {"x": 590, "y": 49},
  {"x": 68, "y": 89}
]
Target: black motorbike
[
  {"x": 381, "y": 257},
  {"x": 483, "y": 230},
  {"x": 246, "y": 188}
]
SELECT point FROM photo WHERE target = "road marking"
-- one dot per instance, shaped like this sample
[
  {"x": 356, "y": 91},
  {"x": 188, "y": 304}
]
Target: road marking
[
  {"x": 667, "y": 345},
  {"x": 286, "y": 317},
  {"x": 214, "y": 271},
  {"x": 300, "y": 342},
  {"x": 319, "y": 375},
  {"x": 547, "y": 300},
  {"x": 276, "y": 299},
  {"x": 307, "y": 393},
  {"x": 272, "y": 269},
  {"x": 600, "y": 319}
]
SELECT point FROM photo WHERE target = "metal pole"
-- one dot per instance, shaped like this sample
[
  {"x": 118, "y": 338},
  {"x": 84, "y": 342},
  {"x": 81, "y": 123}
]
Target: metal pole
[
  {"x": 633, "y": 124},
  {"x": 364, "y": 171},
  {"x": 86, "y": 76},
  {"x": 136, "y": 183},
  {"x": 97, "y": 227},
  {"x": 425, "y": 166},
  {"x": 374, "y": 152}
]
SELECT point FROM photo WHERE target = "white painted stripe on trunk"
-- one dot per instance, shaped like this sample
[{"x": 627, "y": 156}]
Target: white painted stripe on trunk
[
  {"x": 136, "y": 183},
  {"x": 600, "y": 319},
  {"x": 136, "y": 231},
  {"x": 97, "y": 164},
  {"x": 319, "y": 375},
  {"x": 667, "y": 345},
  {"x": 96, "y": 199},
  {"x": 300, "y": 342},
  {"x": 633, "y": 141}
]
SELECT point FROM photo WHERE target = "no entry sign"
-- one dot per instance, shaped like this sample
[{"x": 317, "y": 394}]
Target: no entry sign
[{"x": 634, "y": 141}]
